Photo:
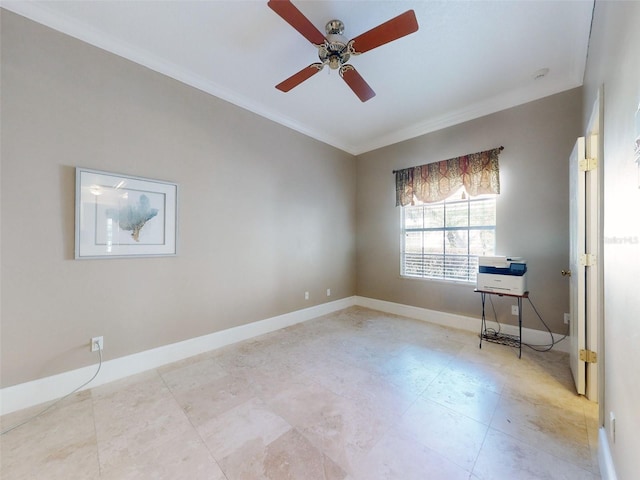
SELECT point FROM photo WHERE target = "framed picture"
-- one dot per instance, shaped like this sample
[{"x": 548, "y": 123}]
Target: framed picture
[{"x": 123, "y": 216}]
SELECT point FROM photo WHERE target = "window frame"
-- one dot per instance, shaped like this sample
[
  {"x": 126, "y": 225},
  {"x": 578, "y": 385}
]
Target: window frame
[{"x": 470, "y": 259}]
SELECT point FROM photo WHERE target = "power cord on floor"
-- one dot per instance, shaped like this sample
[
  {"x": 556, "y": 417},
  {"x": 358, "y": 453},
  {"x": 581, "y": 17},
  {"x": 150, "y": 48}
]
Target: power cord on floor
[
  {"x": 493, "y": 331},
  {"x": 43, "y": 411},
  {"x": 549, "y": 346}
]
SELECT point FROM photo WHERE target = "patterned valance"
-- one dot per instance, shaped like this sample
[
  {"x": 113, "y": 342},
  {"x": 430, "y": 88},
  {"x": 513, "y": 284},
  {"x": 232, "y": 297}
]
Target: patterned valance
[{"x": 478, "y": 173}]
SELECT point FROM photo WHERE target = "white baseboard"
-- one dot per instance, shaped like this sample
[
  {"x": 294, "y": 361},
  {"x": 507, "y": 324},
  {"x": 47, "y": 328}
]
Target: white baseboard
[
  {"x": 533, "y": 337},
  {"x": 50, "y": 388},
  {"x": 605, "y": 460}
]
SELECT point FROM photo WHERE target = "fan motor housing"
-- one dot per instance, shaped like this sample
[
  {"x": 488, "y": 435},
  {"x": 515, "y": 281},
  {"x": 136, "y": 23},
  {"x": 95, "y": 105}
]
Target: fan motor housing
[{"x": 334, "y": 51}]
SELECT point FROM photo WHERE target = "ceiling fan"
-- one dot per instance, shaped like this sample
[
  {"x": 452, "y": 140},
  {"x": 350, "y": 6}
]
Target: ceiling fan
[{"x": 335, "y": 50}]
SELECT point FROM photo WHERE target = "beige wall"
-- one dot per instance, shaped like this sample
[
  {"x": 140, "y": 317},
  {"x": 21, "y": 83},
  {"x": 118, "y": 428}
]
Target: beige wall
[
  {"x": 532, "y": 209},
  {"x": 264, "y": 213},
  {"x": 614, "y": 63}
]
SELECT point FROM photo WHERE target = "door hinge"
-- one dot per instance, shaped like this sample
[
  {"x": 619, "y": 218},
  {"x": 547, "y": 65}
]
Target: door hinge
[
  {"x": 588, "y": 164},
  {"x": 588, "y": 356},
  {"x": 587, "y": 260}
]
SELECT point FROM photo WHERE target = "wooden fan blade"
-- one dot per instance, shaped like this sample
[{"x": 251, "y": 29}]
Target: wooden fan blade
[
  {"x": 297, "y": 20},
  {"x": 357, "y": 83},
  {"x": 298, "y": 78},
  {"x": 386, "y": 32}
]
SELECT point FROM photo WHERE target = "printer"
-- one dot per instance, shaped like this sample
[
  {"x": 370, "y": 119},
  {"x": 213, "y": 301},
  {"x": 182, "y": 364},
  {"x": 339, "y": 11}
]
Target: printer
[{"x": 502, "y": 275}]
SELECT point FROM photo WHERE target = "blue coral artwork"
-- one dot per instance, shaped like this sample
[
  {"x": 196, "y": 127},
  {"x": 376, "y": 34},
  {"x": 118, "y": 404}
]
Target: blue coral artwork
[
  {"x": 133, "y": 217},
  {"x": 119, "y": 215}
]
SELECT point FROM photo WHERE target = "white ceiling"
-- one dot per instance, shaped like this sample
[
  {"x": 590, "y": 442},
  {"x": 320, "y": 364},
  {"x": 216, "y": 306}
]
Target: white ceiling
[{"x": 468, "y": 58}]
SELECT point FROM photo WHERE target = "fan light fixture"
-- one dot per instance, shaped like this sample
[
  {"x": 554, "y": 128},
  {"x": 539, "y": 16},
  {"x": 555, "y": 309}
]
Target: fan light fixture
[{"x": 335, "y": 50}]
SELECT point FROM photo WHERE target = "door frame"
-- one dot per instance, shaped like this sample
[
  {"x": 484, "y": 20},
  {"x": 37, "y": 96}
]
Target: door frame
[
  {"x": 592, "y": 272},
  {"x": 595, "y": 327}
]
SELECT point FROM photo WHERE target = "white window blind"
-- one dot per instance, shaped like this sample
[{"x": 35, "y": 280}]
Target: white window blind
[{"x": 443, "y": 240}]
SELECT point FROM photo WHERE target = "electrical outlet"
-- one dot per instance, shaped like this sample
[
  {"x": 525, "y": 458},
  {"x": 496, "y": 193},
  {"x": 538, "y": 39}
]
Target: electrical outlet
[
  {"x": 328, "y": 292},
  {"x": 567, "y": 318},
  {"x": 306, "y": 295},
  {"x": 514, "y": 310},
  {"x": 97, "y": 343}
]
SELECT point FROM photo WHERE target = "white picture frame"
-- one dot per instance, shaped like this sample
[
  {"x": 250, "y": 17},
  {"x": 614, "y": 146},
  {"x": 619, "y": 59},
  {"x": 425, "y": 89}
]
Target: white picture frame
[{"x": 124, "y": 216}]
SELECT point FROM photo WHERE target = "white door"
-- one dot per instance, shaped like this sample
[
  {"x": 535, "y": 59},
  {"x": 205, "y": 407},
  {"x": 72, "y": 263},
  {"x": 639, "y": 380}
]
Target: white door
[{"x": 577, "y": 205}]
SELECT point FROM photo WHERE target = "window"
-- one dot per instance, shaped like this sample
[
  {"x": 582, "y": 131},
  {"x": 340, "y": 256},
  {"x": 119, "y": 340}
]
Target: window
[{"x": 443, "y": 240}]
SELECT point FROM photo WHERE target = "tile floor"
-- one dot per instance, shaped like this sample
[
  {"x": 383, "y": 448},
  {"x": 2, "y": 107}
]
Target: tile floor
[{"x": 357, "y": 395}]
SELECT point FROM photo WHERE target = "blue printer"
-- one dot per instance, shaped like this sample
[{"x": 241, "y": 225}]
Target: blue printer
[{"x": 500, "y": 274}]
